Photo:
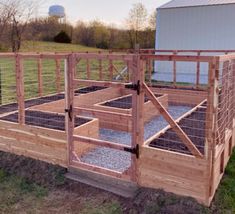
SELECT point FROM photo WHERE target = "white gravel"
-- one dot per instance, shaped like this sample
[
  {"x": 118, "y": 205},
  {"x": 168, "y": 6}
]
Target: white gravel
[{"x": 120, "y": 160}]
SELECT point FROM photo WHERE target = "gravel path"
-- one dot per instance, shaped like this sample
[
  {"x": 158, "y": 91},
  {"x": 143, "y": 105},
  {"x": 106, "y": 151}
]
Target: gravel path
[{"x": 119, "y": 160}]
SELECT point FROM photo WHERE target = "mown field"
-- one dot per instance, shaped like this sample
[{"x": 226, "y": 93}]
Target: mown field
[
  {"x": 30, "y": 187},
  {"x": 7, "y": 70}
]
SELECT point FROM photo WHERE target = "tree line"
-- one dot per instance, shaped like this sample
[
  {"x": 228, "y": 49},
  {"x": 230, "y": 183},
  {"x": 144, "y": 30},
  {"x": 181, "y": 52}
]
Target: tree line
[{"x": 17, "y": 24}]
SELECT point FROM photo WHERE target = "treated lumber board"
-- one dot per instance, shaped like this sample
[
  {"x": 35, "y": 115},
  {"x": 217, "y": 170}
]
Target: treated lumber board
[
  {"x": 172, "y": 157},
  {"x": 161, "y": 182},
  {"x": 40, "y": 79},
  {"x": 108, "y": 183},
  {"x": 58, "y": 75},
  {"x": 185, "y": 139},
  {"x": 177, "y": 58},
  {"x": 186, "y": 184},
  {"x": 100, "y": 142},
  {"x": 100, "y": 170},
  {"x": 186, "y": 172},
  {"x": 20, "y": 88},
  {"x": 33, "y": 139},
  {"x": 97, "y": 83},
  {"x": 34, "y": 130},
  {"x": 5, "y": 146}
]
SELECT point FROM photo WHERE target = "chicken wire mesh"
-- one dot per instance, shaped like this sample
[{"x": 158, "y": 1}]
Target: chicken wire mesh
[
  {"x": 186, "y": 104},
  {"x": 226, "y": 100}
]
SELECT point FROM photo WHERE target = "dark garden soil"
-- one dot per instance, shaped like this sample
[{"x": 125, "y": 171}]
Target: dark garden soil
[
  {"x": 125, "y": 102},
  {"x": 47, "y": 99},
  {"x": 193, "y": 125},
  {"x": 46, "y": 120}
]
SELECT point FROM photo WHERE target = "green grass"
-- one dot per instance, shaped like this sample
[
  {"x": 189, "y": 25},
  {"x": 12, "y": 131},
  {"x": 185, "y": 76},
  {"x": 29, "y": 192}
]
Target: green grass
[
  {"x": 16, "y": 192},
  {"x": 19, "y": 196},
  {"x": 225, "y": 197},
  {"x": 38, "y": 46},
  {"x": 7, "y": 69}
]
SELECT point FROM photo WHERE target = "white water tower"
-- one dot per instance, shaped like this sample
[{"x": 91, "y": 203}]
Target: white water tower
[{"x": 57, "y": 12}]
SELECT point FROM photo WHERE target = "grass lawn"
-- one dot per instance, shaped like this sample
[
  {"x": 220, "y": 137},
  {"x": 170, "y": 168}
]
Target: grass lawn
[
  {"x": 20, "y": 196},
  {"x": 7, "y": 70},
  {"x": 37, "y": 46}
]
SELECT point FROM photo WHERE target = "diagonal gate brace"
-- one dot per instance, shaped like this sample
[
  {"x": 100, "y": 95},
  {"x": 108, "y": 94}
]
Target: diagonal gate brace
[{"x": 181, "y": 134}]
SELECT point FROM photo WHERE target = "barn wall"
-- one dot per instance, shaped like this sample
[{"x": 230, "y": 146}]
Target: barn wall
[{"x": 199, "y": 28}]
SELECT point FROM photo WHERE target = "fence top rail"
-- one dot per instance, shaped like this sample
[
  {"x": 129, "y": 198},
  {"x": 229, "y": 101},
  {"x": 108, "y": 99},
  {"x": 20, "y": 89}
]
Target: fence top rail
[
  {"x": 117, "y": 56},
  {"x": 180, "y": 58},
  {"x": 227, "y": 57},
  {"x": 186, "y": 51},
  {"x": 34, "y": 55}
]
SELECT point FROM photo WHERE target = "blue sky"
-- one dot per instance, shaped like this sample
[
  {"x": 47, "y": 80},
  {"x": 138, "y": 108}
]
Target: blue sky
[{"x": 110, "y": 11}]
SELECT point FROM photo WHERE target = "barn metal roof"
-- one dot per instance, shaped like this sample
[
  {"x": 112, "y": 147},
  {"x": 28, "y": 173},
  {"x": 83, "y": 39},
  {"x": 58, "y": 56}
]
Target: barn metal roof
[{"x": 194, "y": 3}]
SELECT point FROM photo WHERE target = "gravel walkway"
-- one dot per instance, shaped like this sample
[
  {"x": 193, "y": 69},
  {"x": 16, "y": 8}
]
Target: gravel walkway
[{"x": 119, "y": 160}]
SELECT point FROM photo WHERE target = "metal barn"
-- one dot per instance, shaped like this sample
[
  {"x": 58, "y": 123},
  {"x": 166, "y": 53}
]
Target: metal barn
[{"x": 199, "y": 25}]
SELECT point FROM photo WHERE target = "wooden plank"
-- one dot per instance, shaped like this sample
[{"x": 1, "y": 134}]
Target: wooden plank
[
  {"x": 20, "y": 89},
  {"x": 137, "y": 114},
  {"x": 40, "y": 79},
  {"x": 69, "y": 102},
  {"x": 178, "y": 58},
  {"x": 185, "y": 139},
  {"x": 88, "y": 69},
  {"x": 102, "y": 143},
  {"x": 58, "y": 75},
  {"x": 76, "y": 82},
  {"x": 198, "y": 70},
  {"x": 82, "y": 165},
  {"x": 174, "y": 69}
]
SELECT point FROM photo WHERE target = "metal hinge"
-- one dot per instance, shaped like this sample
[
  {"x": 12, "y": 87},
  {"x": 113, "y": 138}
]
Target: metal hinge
[
  {"x": 69, "y": 111},
  {"x": 135, "y": 150},
  {"x": 135, "y": 87}
]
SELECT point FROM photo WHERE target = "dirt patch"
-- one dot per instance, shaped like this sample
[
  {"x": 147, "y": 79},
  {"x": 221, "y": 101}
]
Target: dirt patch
[
  {"x": 43, "y": 119},
  {"x": 193, "y": 125},
  {"x": 125, "y": 102},
  {"x": 66, "y": 196}
]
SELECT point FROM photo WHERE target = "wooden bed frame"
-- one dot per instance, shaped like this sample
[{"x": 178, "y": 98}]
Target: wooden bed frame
[{"x": 197, "y": 175}]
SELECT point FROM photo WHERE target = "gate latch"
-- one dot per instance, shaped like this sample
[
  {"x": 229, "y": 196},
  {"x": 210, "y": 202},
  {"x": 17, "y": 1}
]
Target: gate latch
[
  {"x": 69, "y": 111},
  {"x": 135, "y": 87},
  {"x": 135, "y": 150}
]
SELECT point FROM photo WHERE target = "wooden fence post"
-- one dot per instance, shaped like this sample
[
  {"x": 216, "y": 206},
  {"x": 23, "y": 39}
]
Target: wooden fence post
[
  {"x": 40, "y": 79},
  {"x": 20, "y": 89},
  {"x": 100, "y": 69},
  {"x": 174, "y": 69},
  {"x": 198, "y": 70},
  {"x": 137, "y": 111},
  {"x": 211, "y": 117},
  {"x": 88, "y": 69},
  {"x": 69, "y": 98},
  {"x": 110, "y": 68},
  {"x": 58, "y": 78}
]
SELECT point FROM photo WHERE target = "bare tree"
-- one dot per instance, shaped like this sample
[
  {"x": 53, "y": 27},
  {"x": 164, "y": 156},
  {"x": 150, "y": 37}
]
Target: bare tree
[
  {"x": 16, "y": 18},
  {"x": 136, "y": 22},
  {"x": 152, "y": 20}
]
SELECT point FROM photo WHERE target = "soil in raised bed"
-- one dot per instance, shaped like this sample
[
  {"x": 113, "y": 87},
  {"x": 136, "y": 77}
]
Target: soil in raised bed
[
  {"x": 125, "y": 102},
  {"x": 47, "y": 99},
  {"x": 193, "y": 125},
  {"x": 45, "y": 120},
  {"x": 89, "y": 89}
]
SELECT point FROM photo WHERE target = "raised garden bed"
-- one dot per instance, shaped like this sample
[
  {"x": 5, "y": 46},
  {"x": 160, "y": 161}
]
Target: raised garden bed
[
  {"x": 193, "y": 125},
  {"x": 46, "y": 99},
  {"x": 124, "y": 102},
  {"x": 45, "y": 120}
]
